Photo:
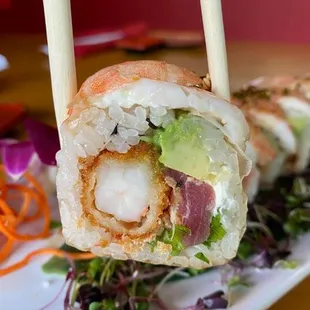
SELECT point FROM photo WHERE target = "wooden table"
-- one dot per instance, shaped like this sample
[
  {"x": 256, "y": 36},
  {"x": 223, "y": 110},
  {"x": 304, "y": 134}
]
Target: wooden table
[{"x": 28, "y": 81}]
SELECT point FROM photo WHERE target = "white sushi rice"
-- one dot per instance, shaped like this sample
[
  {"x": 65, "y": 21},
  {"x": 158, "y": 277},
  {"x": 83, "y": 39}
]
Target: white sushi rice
[
  {"x": 128, "y": 109},
  {"x": 298, "y": 108},
  {"x": 253, "y": 179},
  {"x": 95, "y": 127}
]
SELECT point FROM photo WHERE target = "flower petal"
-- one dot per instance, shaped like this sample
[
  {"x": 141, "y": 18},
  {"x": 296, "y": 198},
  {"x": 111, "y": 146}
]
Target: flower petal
[
  {"x": 45, "y": 140},
  {"x": 16, "y": 158}
]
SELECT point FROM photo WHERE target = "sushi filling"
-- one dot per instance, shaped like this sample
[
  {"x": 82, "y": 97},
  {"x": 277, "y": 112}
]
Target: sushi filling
[
  {"x": 125, "y": 193},
  {"x": 163, "y": 187},
  {"x": 120, "y": 186}
]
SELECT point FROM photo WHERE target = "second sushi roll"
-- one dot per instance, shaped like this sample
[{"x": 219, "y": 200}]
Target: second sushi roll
[{"x": 278, "y": 113}]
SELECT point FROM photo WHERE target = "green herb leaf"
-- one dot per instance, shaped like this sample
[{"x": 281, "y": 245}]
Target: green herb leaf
[
  {"x": 108, "y": 269},
  {"x": 298, "y": 221},
  {"x": 96, "y": 306},
  {"x": 194, "y": 272},
  {"x": 174, "y": 238},
  {"x": 298, "y": 124},
  {"x": 300, "y": 187},
  {"x": 245, "y": 250},
  {"x": 95, "y": 266},
  {"x": 67, "y": 248},
  {"x": 292, "y": 200},
  {"x": 236, "y": 281},
  {"x": 147, "y": 139},
  {"x": 300, "y": 215},
  {"x": 292, "y": 229},
  {"x": 56, "y": 265},
  {"x": 287, "y": 264},
  {"x": 142, "y": 306},
  {"x": 188, "y": 273},
  {"x": 217, "y": 232},
  {"x": 142, "y": 289},
  {"x": 55, "y": 224},
  {"x": 202, "y": 257},
  {"x": 153, "y": 245},
  {"x": 59, "y": 265},
  {"x": 108, "y": 304}
]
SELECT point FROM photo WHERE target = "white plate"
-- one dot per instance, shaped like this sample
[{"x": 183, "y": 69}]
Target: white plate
[
  {"x": 268, "y": 285},
  {"x": 31, "y": 289}
]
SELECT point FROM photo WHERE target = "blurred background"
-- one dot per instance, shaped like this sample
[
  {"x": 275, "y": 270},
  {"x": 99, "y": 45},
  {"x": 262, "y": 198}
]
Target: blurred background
[
  {"x": 264, "y": 20},
  {"x": 265, "y": 37}
]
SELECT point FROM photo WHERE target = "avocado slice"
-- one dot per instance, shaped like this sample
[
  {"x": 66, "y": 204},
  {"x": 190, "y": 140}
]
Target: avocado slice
[
  {"x": 181, "y": 145},
  {"x": 298, "y": 124}
]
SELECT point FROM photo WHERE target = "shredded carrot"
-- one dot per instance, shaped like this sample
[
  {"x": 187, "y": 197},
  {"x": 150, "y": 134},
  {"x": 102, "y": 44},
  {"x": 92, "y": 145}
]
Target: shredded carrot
[
  {"x": 11, "y": 219},
  {"x": 45, "y": 251},
  {"x": 3, "y": 190},
  {"x": 6, "y": 250},
  {"x": 41, "y": 203},
  {"x": 4, "y": 207},
  {"x": 22, "y": 216}
]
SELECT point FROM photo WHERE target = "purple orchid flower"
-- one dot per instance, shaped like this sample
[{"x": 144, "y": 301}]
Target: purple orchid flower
[{"x": 43, "y": 143}]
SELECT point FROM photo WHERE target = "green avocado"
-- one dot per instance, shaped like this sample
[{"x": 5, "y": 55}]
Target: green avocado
[
  {"x": 181, "y": 145},
  {"x": 298, "y": 124}
]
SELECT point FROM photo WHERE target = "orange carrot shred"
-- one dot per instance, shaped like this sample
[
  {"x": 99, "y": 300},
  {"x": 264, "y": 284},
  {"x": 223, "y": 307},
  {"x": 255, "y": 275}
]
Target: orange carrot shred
[
  {"x": 41, "y": 203},
  {"x": 6, "y": 250},
  {"x": 51, "y": 251},
  {"x": 10, "y": 220}
]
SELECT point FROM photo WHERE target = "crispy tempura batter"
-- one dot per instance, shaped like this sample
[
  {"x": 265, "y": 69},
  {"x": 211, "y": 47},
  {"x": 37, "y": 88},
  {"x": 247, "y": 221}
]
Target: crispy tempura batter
[{"x": 142, "y": 153}]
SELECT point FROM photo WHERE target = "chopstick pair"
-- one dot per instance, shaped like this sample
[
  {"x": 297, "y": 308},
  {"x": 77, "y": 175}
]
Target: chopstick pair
[{"x": 62, "y": 59}]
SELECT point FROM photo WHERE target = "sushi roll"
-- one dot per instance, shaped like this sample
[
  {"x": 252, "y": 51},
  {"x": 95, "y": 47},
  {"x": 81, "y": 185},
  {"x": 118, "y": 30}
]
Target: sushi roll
[
  {"x": 261, "y": 108},
  {"x": 151, "y": 168},
  {"x": 261, "y": 152},
  {"x": 292, "y": 94}
]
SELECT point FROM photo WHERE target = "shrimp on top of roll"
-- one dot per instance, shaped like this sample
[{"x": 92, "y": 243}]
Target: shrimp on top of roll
[{"x": 152, "y": 167}]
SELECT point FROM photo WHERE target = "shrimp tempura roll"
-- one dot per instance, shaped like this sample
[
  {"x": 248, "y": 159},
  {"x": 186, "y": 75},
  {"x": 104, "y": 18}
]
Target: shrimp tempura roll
[
  {"x": 151, "y": 168},
  {"x": 292, "y": 95},
  {"x": 264, "y": 112}
]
